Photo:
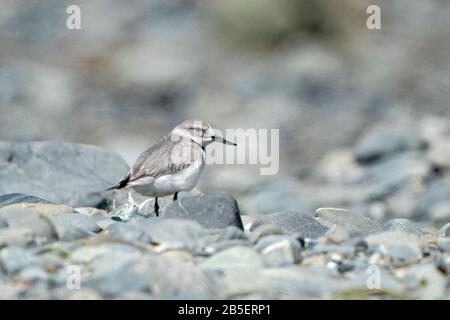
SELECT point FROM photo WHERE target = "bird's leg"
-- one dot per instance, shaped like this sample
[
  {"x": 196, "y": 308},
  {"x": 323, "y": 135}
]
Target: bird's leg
[
  {"x": 175, "y": 196},
  {"x": 156, "y": 206}
]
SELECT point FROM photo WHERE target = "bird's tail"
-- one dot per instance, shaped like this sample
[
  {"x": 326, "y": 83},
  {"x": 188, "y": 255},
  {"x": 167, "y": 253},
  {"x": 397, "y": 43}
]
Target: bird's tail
[{"x": 122, "y": 184}]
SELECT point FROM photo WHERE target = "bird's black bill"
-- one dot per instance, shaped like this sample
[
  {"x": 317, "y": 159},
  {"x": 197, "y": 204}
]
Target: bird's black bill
[{"x": 219, "y": 139}]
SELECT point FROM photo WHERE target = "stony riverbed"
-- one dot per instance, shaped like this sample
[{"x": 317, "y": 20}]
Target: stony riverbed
[{"x": 367, "y": 223}]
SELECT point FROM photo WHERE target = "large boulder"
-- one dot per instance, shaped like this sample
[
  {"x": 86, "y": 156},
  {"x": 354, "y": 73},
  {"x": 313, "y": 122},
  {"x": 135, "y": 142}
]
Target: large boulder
[
  {"x": 212, "y": 210},
  {"x": 73, "y": 174}
]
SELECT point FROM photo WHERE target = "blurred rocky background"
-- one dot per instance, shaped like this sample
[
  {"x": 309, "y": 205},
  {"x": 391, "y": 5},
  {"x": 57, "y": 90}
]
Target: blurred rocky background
[{"x": 309, "y": 68}]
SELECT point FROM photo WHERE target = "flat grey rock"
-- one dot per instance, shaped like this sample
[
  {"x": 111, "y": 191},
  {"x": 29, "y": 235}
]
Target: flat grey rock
[
  {"x": 12, "y": 198},
  {"x": 73, "y": 174},
  {"x": 40, "y": 225},
  {"x": 353, "y": 222},
  {"x": 211, "y": 210},
  {"x": 75, "y": 220},
  {"x": 292, "y": 222}
]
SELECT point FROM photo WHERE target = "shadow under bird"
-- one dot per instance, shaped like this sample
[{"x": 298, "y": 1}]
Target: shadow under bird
[{"x": 173, "y": 164}]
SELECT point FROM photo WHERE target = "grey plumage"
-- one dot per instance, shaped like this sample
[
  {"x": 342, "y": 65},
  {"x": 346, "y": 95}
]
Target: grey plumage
[{"x": 167, "y": 156}]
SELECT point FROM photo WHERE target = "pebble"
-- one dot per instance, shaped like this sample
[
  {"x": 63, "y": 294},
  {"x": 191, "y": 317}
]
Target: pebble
[
  {"x": 353, "y": 223},
  {"x": 440, "y": 213},
  {"x": 88, "y": 254},
  {"x": 112, "y": 274},
  {"x": 444, "y": 244},
  {"x": 265, "y": 230},
  {"x": 445, "y": 230},
  {"x": 338, "y": 234},
  {"x": 41, "y": 227},
  {"x": 425, "y": 281},
  {"x": 403, "y": 225},
  {"x": 33, "y": 274},
  {"x": 92, "y": 212},
  {"x": 14, "y": 259},
  {"x": 279, "y": 251},
  {"x": 400, "y": 254},
  {"x": 128, "y": 232},
  {"x": 76, "y": 221},
  {"x": 16, "y": 237},
  {"x": 292, "y": 222},
  {"x": 236, "y": 257},
  {"x": 382, "y": 140}
]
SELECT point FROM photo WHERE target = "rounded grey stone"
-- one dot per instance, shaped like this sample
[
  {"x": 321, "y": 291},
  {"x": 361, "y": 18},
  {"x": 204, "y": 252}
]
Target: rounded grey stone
[
  {"x": 14, "y": 259},
  {"x": 211, "y": 210},
  {"x": 292, "y": 222},
  {"x": 128, "y": 232},
  {"x": 265, "y": 230},
  {"x": 404, "y": 225},
  {"x": 40, "y": 225},
  {"x": 76, "y": 220}
]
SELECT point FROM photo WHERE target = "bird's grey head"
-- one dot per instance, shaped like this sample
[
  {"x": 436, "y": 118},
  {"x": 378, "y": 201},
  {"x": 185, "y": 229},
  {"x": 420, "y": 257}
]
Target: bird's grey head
[{"x": 199, "y": 131}]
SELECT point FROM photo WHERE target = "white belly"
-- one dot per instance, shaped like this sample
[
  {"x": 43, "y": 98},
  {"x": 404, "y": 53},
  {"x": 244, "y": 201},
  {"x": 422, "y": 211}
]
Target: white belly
[{"x": 169, "y": 184}]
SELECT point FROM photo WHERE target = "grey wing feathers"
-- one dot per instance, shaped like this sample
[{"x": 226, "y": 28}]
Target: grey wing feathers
[{"x": 156, "y": 161}]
